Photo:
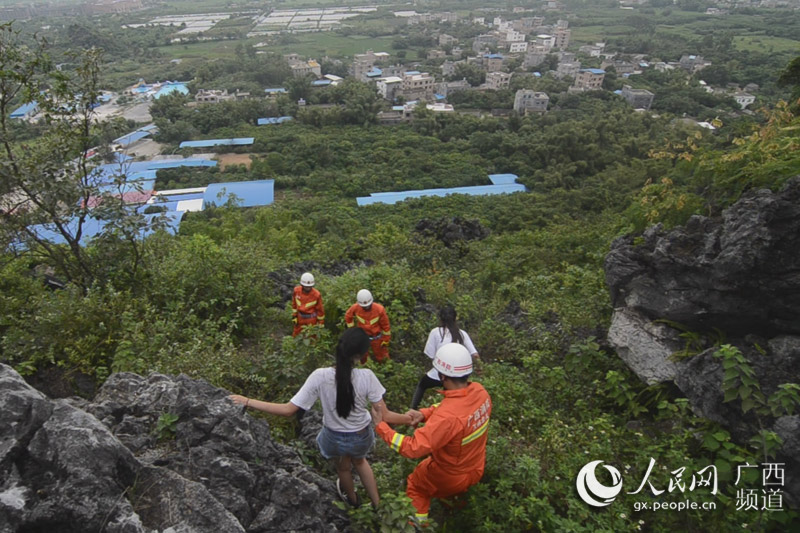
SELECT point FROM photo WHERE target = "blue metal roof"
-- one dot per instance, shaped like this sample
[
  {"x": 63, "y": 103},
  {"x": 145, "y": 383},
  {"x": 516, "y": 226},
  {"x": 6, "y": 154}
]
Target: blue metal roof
[
  {"x": 480, "y": 190},
  {"x": 24, "y": 109},
  {"x": 412, "y": 72},
  {"x": 375, "y": 72},
  {"x": 501, "y": 184},
  {"x": 92, "y": 227},
  {"x": 320, "y": 83},
  {"x": 142, "y": 183},
  {"x": 177, "y": 197},
  {"x": 594, "y": 70},
  {"x": 273, "y": 120},
  {"x": 247, "y": 193},
  {"x": 493, "y": 56},
  {"x": 503, "y": 179},
  {"x": 169, "y": 201},
  {"x": 439, "y": 96},
  {"x": 119, "y": 157},
  {"x": 105, "y": 173},
  {"x": 129, "y": 139},
  {"x": 217, "y": 142}
]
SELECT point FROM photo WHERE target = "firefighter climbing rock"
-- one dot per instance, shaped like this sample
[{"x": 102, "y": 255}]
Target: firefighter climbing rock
[{"x": 372, "y": 318}]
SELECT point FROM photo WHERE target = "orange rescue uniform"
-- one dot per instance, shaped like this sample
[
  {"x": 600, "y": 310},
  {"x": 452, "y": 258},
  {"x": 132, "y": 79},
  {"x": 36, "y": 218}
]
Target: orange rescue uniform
[
  {"x": 375, "y": 323},
  {"x": 307, "y": 309},
  {"x": 454, "y": 434}
]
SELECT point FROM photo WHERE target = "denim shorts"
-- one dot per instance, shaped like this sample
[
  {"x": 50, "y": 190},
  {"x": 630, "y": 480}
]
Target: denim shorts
[{"x": 356, "y": 444}]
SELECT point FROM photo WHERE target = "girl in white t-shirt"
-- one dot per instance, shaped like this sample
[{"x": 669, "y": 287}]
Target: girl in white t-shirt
[
  {"x": 344, "y": 391},
  {"x": 446, "y": 333}
]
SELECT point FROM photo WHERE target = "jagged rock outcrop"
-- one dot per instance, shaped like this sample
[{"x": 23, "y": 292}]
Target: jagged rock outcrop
[
  {"x": 73, "y": 465},
  {"x": 735, "y": 280},
  {"x": 740, "y": 273}
]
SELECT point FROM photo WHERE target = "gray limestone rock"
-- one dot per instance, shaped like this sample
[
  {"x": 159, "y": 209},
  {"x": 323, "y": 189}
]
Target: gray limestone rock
[
  {"x": 105, "y": 466},
  {"x": 735, "y": 280}
]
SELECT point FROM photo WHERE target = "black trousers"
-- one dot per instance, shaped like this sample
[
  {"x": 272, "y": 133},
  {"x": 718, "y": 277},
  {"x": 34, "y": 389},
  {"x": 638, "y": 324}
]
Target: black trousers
[{"x": 424, "y": 384}]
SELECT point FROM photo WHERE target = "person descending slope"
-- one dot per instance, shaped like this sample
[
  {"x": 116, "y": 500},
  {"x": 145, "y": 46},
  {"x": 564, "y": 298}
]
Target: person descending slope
[
  {"x": 344, "y": 392},
  {"x": 372, "y": 318},
  {"x": 307, "y": 307},
  {"x": 446, "y": 333},
  {"x": 454, "y": 434}
]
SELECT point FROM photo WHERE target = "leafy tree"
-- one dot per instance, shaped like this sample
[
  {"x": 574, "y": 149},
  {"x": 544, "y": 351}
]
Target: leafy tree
[
  {"x": 474, "y": 74},
  {"x": 51, "y": 179},
  {"x": 790, "y": 77}
]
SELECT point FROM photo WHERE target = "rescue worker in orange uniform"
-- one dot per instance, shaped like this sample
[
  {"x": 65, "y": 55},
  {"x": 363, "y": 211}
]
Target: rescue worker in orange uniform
[
  {"x": 307, "y": 307},
  {"x": 372, "y": 318},
  {"x": 454, "y": 435}
]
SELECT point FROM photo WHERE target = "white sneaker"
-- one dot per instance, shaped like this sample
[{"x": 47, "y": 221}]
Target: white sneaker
[{"x": 344, "y": 497}]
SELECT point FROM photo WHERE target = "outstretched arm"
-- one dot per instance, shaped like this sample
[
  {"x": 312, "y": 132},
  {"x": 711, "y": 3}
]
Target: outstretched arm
[
  {"x": 433, "y": 436},
  {"x": 280, "y": 409},
  {"x": 382, "y": 413}
]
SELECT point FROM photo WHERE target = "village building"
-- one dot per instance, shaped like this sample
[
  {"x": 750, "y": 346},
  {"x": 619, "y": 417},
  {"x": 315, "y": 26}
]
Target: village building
[{"x": 529, "y": 101}]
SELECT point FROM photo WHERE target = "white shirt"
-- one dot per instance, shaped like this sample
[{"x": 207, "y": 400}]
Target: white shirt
[
  {"x": 437, "y": 338},
  {"x": 322, "y": 384}
]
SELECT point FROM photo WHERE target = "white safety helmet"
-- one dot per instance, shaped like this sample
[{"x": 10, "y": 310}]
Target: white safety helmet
[
  {"x": 307, "y": 279},
  {"x": 453, "y": 360},
  {"x": 364, "y": 298}
]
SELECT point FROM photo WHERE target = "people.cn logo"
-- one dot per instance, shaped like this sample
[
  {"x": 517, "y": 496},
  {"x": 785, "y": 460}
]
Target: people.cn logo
[{"x": 592, "y": 491}]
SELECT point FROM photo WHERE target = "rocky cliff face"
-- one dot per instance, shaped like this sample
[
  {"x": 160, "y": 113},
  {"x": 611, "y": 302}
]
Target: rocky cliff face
[
  {"x": 736, "y": 279},
  {"x": 75, "y": 466}
]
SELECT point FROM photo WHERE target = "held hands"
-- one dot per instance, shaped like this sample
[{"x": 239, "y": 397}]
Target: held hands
[{"x": 415, "y": 417}]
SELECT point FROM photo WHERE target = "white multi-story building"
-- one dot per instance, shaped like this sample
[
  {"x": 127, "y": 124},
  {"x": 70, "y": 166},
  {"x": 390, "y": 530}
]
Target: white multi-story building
[
  {"x": 589, "y": 79},
  {"x": 513, "y": 36},
  {"x": 561, "y": 38},
  {"x": 417, "y": 86},
  {"x": 529, "y": 101},
  {"x": 497, "y": 80},
  {"x": 366, "y": 62},
  {"x": 535, "y": 56},
  {"x": 567, "y": 69},
  {"x": 388, "y": 87},
  {"x": 637, "y": 98},
  {"x": 304, "y": 68},
  {"x": 592, "y": 50},
  {"x": 546, "y": 40}
]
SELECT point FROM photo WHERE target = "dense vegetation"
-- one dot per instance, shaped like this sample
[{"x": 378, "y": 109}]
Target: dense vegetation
[{"x": 208, "y": 302}]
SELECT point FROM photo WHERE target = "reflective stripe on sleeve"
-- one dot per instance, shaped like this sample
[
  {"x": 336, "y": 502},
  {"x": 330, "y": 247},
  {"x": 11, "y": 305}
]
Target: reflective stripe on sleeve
[{"x": 397, "y": 441}]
